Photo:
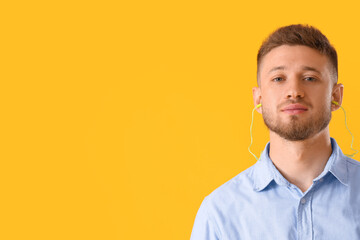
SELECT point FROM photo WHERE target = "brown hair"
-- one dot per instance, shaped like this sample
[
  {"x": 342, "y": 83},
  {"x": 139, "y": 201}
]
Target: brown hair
[{"x": 299, "y": 35}]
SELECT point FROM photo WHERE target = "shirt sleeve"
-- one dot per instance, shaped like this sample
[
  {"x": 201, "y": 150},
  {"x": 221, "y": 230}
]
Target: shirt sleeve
[{"x": 204, "y": 228}]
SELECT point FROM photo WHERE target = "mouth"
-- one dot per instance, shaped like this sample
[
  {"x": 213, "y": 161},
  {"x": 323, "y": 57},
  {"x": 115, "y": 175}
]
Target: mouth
[{"x": 293, "y": 109}]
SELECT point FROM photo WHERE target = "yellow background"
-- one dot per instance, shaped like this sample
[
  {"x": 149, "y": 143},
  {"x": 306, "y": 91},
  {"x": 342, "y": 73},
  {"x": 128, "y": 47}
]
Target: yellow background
[{"x": 119, "y": 117}]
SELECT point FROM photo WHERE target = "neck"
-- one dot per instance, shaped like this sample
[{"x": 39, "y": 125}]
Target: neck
[{"x": 301, "y": 161}]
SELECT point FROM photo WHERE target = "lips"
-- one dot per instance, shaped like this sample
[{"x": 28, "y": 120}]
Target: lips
[{"x": 294, "y": 108}]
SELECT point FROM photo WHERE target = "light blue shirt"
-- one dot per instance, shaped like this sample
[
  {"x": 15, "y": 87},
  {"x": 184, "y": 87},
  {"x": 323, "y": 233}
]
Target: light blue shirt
[{"x": 260, "y": 204}]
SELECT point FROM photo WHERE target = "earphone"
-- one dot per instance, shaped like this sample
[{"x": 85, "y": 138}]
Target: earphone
[
  {"x": 352, "y": 136},
  {"x": 334, "y": 102},
  {"x": 251, "y": 139}
]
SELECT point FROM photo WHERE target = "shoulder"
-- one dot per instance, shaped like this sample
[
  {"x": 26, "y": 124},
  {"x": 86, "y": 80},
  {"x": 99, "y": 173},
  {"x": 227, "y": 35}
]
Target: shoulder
[
  {"x": 352, "y": 162},
  {"x": 234, "y": 189},
  {"x": 353, "y": 167},
  {"x": 353, "y": 172}
]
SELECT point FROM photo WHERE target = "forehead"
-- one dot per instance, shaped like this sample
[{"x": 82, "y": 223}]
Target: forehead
[{"x": 294, "y": 58}]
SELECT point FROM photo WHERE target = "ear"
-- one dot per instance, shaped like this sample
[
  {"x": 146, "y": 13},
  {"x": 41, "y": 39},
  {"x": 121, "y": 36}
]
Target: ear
[
  {"x": 257, "y": 98},
  {"x": 337, "y": 95}
]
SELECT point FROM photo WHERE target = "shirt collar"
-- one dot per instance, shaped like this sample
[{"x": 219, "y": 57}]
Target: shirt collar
[
  {"x": 337, "y": 164},
  {"x": 265, "y": 171}
]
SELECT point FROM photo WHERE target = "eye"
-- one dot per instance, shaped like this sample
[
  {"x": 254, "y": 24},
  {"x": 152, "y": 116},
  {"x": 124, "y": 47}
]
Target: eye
[
  {"x": 278, "y": 79},
  {"x": 310, "y": 79}
]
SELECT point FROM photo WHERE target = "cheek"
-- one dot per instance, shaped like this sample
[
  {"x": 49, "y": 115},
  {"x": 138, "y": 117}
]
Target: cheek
[
  {"x": 321, "y": 97},
  {"x": 270, "y": 99},
  {"x": 321, "y": 100},
  {"x": 269, "y": 92},
  {"x": 269, "y": 107}
]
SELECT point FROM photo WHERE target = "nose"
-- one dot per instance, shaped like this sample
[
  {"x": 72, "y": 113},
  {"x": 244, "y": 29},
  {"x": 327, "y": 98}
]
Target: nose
[{"x": 295, "y": 90}]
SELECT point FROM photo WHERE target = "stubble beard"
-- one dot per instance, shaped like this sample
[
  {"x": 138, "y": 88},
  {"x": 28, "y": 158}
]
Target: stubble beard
[{"x": 297, "y": 129}]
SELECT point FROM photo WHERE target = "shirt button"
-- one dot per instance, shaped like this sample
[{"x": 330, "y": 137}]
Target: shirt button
[
  {"x": 303, "y": 201},
  {"x": 321, "y": 180}
]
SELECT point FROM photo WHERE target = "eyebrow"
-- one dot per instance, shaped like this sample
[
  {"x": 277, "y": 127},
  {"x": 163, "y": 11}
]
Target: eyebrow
[{"x": 303, "y": 68}]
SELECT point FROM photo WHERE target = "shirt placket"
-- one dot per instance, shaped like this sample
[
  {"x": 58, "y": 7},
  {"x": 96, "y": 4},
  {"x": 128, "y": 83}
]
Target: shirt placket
[{"x": 304, "y": 223}]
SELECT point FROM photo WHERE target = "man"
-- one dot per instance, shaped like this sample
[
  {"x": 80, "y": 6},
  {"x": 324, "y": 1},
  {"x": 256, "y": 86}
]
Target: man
[{"x": 303, "y": 186}]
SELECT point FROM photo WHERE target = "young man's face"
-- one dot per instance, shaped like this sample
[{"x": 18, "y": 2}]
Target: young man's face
[{"x": 296, "y": 90}]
